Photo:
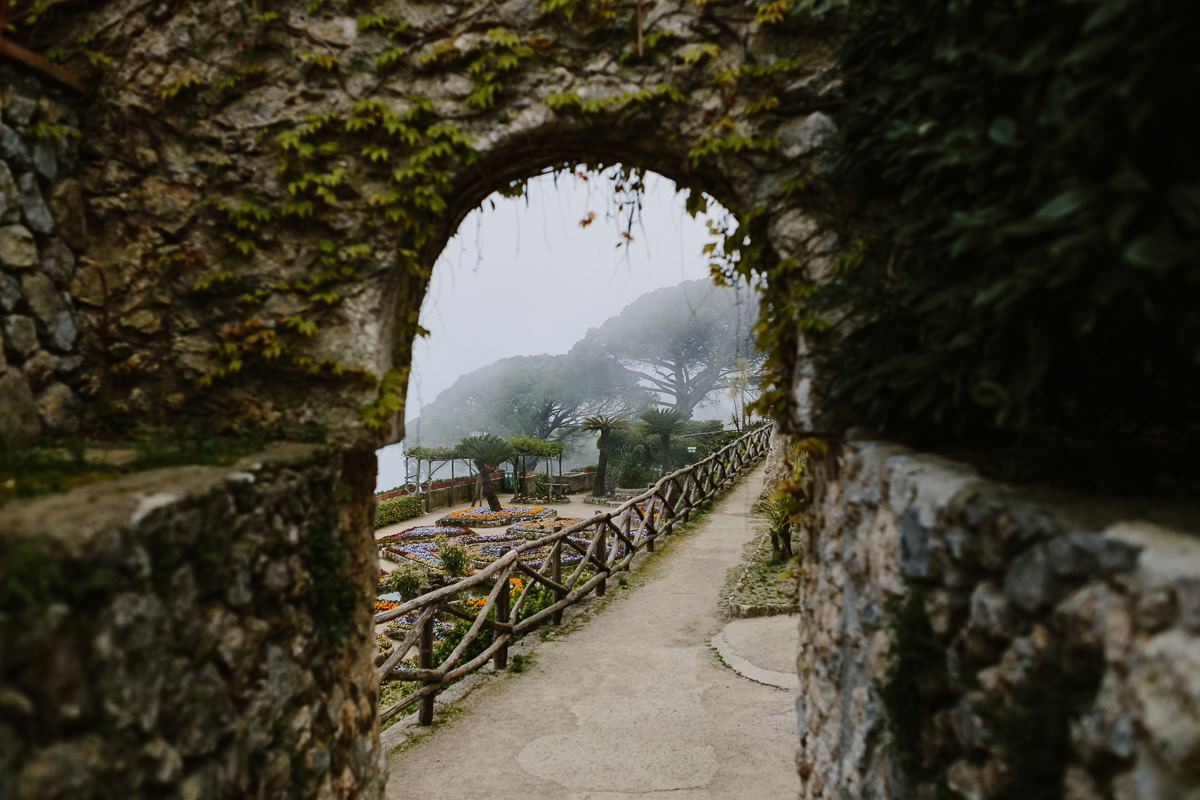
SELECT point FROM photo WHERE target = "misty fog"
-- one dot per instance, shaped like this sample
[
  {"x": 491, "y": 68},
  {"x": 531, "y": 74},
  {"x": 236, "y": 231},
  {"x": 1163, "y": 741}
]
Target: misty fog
[{"x": 523, "y": 277}]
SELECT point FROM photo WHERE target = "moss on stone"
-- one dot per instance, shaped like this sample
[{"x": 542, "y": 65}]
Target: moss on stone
[
  {"x": 28, "y": 578},
  {"x": 916, "y": 674},
  {"x": 32, "y": 578},
  {"x": 334, "y": 596},
  {"x": 1033, "y": 733}
]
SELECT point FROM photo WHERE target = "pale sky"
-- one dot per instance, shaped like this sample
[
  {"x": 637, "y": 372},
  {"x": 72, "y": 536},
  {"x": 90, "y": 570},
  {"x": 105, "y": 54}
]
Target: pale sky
[{"x": 525, "y": 279}]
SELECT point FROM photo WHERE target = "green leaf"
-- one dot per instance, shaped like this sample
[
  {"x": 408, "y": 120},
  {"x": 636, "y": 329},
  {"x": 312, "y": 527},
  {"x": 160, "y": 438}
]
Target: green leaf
[
  {"x": 1003, "y": 131},
  {"x": 1065, "y": 204},
  {"x": 1157, "y": 252}
]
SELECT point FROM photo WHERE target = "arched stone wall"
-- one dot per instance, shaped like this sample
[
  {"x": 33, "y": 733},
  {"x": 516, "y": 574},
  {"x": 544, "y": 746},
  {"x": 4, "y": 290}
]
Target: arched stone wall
[{"x": 199, "y": 293}]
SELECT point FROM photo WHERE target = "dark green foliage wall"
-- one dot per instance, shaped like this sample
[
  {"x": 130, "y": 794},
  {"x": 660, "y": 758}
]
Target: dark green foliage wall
[
  {"x": 635, "y": 453},
  {"x": 397, "y": 509},
  {"x": 1032, "y": 274}
]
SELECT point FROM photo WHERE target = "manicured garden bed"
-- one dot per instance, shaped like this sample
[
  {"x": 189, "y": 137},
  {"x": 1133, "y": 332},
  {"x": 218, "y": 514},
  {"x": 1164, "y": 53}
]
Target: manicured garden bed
[
  {"x": 537, "y": 528},
  {"x": 425, "y": 532},
  {"x": 484, "y": 554},
  {"x": 484, "y": 517}
]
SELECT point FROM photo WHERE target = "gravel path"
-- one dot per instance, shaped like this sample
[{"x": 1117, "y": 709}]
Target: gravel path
[{"x": 634, "y": 702}]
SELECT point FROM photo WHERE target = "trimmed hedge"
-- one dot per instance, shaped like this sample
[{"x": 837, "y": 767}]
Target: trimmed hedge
[
  {"x": 398, "y": 509},
  {"x": 1031, "y": 273}
]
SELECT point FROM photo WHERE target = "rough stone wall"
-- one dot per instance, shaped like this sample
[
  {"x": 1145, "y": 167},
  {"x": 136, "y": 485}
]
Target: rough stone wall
[
  {"x": 1017, "y": 592},
  {"x": 42, "y": 231},
  {"x": 186, "y": 120},
  {"x": 182, "y": 640}
]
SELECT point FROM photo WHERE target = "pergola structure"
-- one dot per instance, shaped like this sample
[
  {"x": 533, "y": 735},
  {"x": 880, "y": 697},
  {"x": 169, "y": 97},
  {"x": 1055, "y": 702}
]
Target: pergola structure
[
  {"x": 529, "y": 447},
  {"x": 526, "y": 447},
  {"x": 434, "y": 455}
]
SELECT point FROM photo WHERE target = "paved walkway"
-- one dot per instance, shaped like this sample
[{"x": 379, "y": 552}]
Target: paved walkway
[{"x": 634, "y": 702}]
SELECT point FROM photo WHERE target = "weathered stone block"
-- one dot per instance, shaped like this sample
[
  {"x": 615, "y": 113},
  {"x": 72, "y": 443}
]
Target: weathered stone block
[
  {"x": 58, "y": 262},
  {"x": 10, "y": 195},
  {"x": 18, "y": 412},
  {"x": 20, "y": 336},
  {"x": 37, "y": 215},
  {"x": 12, "y": 148},
  {"x": 1029, "y": 582},
  {"x": 991, "y": 612},
  {"x": 65, "y": 770},
  {"x": 18, "y": 248},
  {"x": 1077, "y": 554},
  {"x": 10, "y": 293},
  {"x": 58, "y": 409},
  {"x": 44, "y": 159},
  {"x": 19, "y": 108},
  {"x": 70, "y": 219},
  {"x": 51, "y": 310},
  {"x": 1165, "y": 683}
]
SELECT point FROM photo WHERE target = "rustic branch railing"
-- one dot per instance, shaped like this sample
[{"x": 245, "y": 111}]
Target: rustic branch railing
[{"x": 673, "y": 500}]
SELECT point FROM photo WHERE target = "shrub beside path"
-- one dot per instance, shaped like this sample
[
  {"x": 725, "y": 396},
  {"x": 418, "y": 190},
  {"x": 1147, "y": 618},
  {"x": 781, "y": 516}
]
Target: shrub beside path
[{"x": 632, "y": 703}]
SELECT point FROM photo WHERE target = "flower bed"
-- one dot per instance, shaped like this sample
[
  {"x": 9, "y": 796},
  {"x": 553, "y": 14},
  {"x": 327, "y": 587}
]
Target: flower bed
[
  {"x": 536, "y": 528},
  {"x": 398, "y": 628},
  {"x": 484, "y": 517},
  {"x": 484, "y": 554},
  {"x": 425, "y": 532},
  {"x": 541, "y": 499},
  {"x": 424, "y": 553},
  {"x": 422, "y": 549}
]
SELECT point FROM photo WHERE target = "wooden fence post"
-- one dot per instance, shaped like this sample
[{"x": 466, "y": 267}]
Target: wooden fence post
[
  {"x": 556, "y": 573},
  {"x": 651, "y": 522},
  {"x": 500, "y": 659},
  {"x": 425, "y": 715},
  {"x": 602, "y": 554}
]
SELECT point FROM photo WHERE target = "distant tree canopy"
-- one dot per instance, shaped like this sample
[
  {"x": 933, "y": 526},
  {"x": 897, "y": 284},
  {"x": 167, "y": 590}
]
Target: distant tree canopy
[
  {"x": 681, "y": 341},
  {"x": 543, "y": 397}
]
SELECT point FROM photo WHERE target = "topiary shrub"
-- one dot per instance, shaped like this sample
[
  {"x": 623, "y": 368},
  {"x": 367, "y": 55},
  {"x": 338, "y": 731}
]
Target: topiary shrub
[
  {"x": 454, "y": 555},
  {"x": 405, "y": 580},
  {"x": 633, "y": 476},
  {"x": 397, "y": 509}
]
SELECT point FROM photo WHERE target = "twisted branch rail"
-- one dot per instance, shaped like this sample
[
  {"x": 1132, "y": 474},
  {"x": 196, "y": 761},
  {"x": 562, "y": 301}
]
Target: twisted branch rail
[{"x": 673, "y": 500}]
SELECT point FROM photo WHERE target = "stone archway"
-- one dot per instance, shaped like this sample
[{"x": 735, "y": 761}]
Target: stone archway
[
  {"x": 267, "y": 187},
  {"x": 266, "y": 190}
]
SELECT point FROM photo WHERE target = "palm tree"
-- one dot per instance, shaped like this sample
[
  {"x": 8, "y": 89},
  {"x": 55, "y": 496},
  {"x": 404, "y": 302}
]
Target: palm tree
[
  {"x": 742, "y": 384},
  {"x": 663, "y": 423},
  {"x": 604, "y": 425},
  {"x": 488, "y": 452}
]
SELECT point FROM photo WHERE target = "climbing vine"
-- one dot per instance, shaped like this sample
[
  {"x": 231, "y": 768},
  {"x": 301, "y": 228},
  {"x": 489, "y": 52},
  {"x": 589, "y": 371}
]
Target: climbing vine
[{"x": 391, "y": 161}]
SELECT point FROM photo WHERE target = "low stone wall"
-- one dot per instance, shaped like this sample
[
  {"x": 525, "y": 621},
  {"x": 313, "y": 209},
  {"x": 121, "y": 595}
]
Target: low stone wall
[
  {"x": 198, "y": 632},
  {"x": 451, "y": 495},
  {"x": 579, "y": 482},
  {"x": 42, "y": 231},
  {"x": 961, "y": 632}
]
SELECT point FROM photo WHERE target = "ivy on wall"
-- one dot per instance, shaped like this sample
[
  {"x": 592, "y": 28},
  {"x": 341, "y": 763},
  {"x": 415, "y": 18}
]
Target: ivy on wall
[
  {"x": 393, "y": 162},
  {"x": 1035, "y": 272}
]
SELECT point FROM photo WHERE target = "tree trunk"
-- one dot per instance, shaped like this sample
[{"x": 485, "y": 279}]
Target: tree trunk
[
  {"x": 666, "y": 451},
  {"x": 489, "y": 491},
  {"x": 601, "y": 465}
]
